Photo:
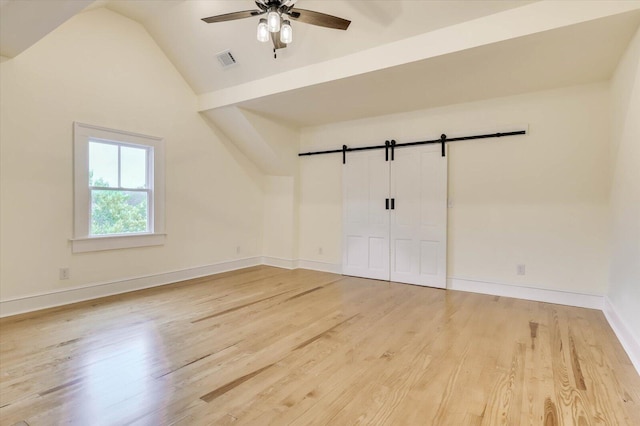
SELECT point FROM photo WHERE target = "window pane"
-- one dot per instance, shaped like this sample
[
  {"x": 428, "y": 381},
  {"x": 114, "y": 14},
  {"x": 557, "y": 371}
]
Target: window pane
[
  {"x": 103, "y": 164},
  {"x": 133, "y": 163},
  {"x": 118, "y": 212}
]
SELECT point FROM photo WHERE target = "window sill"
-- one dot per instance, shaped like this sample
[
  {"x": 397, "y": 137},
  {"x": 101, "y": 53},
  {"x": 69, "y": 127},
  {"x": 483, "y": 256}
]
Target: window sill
[{"x": 114, "y": 242}]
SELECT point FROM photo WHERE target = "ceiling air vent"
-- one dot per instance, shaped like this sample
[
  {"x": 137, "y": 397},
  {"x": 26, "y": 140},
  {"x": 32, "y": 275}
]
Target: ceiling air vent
[{"x": 226, "y": 59}]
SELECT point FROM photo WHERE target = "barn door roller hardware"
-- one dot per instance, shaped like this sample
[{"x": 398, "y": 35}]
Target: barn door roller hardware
[{"x": 390, "y": 146}]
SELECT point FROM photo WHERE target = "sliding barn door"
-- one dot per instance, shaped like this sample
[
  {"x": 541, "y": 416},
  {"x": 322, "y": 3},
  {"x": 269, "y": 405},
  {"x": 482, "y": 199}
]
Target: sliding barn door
[
  {"x": 365, "y": 217},
  {"x": 419, "y": 219}
]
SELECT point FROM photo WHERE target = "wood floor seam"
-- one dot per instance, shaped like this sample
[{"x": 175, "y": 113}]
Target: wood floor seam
[{"x": 235, "y": 308}]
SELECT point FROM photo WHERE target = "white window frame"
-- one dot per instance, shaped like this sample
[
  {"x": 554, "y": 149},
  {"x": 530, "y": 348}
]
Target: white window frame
[{"x": 82, "y": 240}]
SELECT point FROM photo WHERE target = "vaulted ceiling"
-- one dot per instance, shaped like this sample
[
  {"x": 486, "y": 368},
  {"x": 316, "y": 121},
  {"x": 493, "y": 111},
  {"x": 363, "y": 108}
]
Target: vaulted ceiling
[
  {"x": 397, "y": 55},
  {"x": 192, "y": 44}
]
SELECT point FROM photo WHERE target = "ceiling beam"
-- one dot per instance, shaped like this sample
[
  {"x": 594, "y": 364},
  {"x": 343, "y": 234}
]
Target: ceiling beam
[{"x": 519, "y": 22}]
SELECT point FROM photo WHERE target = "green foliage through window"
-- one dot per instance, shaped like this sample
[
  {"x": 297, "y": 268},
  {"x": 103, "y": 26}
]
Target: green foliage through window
[{"x": 117, "y": 211}]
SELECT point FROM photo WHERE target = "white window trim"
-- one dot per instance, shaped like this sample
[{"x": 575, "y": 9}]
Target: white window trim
[{"x": 82, "y": 241}]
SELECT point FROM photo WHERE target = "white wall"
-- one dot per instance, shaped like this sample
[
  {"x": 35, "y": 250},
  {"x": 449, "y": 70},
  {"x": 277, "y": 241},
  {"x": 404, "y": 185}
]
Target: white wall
[
  {"x": 279, "y": 242},
  {"x": 540, "y": 200},
  {"x": 101, "y": 68},
  {"x": 280, "y": 218},
  {"x": 281, "y": 139},
  {"x": 624, "y": 291}
]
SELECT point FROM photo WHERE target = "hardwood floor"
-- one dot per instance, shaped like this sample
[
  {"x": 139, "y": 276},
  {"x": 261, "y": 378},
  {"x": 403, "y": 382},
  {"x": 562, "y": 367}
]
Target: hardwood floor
[{"x": 270, "y": 346}]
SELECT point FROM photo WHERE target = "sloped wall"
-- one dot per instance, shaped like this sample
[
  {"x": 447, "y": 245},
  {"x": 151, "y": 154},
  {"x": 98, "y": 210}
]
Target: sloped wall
[{"x": 101, "y": 68}]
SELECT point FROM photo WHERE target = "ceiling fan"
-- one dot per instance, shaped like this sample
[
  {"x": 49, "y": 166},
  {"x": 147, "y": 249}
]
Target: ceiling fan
[{"x": 277, "y": 26}]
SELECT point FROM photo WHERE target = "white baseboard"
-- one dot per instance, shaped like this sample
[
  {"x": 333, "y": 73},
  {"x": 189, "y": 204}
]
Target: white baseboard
[
  {"x": 35, "y": 302},
  {"x": 303, "y": 264},
  {"x": 628, "y": 340},
  {"x": 78, "y": 294},
  {"x": 334, "y": 268},
  {"x": 581, "y": 300},
  {"x": 61, "y": 297},
  {"x": 279, "y": 262}
]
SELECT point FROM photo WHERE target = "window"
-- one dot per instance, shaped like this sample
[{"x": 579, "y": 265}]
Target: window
[{"x": 118, "y": 189}]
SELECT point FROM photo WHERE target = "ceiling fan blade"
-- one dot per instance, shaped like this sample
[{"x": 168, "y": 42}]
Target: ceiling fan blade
[
  {"x": 319, "y": 19},
  {"x": 233, "y": 16},
  {"x": 262, "y": 4},
  {"x": 277, "y": 44}
]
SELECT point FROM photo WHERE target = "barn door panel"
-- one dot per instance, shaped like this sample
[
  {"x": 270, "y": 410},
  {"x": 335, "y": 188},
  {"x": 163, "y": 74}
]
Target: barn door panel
[{"x": 365, "y": 216}]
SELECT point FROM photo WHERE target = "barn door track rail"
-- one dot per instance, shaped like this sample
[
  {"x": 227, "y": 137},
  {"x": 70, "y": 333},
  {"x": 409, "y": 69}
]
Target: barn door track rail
[{"x": 391, "y": 145}]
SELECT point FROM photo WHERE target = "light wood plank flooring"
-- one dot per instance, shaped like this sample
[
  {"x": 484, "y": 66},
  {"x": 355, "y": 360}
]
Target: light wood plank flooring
[{"x": 269, "y": 346}]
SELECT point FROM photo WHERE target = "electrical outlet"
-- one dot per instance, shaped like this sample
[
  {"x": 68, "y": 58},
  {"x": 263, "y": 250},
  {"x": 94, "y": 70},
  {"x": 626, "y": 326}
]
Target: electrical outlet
[
  {"x": 450, "y": 203},
  {"x": 238, "y": 250},
  {"x": 64, "y": 273},
  {"x": 319, "y": 250},
  {"x": 520, "y": 269}
]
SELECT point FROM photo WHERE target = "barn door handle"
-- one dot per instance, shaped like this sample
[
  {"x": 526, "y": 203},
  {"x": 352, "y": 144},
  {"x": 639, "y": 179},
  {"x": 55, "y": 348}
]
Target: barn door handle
[
  {"x": 386, "y": 204},
  {"x": 393, "y": 204}
]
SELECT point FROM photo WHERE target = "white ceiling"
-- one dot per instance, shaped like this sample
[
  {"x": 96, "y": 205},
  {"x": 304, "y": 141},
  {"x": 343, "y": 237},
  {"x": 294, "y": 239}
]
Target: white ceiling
[
  {"x": 23, "y": 23},
  {"x": 192, "y": 44},
  {"x": 554, "y": 55}
]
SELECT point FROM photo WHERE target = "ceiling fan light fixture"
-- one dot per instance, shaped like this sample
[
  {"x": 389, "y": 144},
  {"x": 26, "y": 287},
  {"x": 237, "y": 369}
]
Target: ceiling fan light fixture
[
  {"x": 263, "y": 31},
  {"x": 286, "y": 32},
  {"x": 273, "y": 21}
]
